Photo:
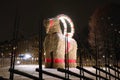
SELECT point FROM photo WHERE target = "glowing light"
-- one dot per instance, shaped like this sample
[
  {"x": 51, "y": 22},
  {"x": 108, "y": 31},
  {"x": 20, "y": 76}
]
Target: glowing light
[
  {"x": 110, "y": 55},
  {"x": 27, "y": 56},
  {"x": 32, "y": 58},
  {"x": 103, "y": 56},
  {"x": 63, "y": 19},
  {"x": 18, "y": 62}
]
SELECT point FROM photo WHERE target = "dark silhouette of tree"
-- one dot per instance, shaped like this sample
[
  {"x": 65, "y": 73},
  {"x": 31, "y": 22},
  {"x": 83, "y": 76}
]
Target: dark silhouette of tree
[{"x": 104, "y": 32}]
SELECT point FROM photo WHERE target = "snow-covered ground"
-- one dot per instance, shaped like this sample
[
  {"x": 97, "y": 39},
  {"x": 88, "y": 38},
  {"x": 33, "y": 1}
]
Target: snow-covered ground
[{"x": 31, "y": 70}]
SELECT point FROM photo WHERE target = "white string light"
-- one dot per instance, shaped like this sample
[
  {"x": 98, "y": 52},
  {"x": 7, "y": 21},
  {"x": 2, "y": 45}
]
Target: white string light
[{"x": 62, "y": 18}]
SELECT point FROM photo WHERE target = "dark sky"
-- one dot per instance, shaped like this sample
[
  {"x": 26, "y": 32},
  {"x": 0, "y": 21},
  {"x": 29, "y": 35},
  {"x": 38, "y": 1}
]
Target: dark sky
[{"x": 29, "y": 12}]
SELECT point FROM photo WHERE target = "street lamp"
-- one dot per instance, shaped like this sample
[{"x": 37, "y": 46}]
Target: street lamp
[{"x": 27, "y": 56}]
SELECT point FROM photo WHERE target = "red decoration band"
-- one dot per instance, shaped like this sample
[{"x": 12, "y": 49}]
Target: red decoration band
[
  {"x": 48, "y": 60},
  {"x": 51, "y": 23}
]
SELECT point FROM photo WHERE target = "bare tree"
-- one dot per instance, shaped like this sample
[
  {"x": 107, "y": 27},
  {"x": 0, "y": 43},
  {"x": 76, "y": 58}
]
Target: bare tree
[{"x": 104, "y": 31}]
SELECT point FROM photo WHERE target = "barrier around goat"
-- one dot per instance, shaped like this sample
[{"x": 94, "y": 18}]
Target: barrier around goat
[
  {"x": 106, "y": 72},
  {"x": 52, "y": 74},
  {"x": 116, "y": 66},
  {"x": 80, "y": 68},
  {"x": 23, "y": 74},
  {"x": 74, "y": 74},
  {"x": 113, "y": 69}
]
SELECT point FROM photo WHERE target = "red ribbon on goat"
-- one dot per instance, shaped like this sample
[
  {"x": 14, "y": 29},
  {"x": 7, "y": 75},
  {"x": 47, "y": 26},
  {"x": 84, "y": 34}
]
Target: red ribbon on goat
[
  {"x": 49, "y": 60},
  {"x": 51, "y": 23}
]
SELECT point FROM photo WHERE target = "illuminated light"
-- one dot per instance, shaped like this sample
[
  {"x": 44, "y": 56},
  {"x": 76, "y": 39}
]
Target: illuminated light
[
  {"x": 37, "y": 58},
  {"x": 63, "y": 19},
  {"x": 111, "y": 24},
  {"x": 18, "y": 58},
  {"x": 27, "y": 56},
  {"x": 32, "y": 58},
  {"x": 43, "y": 66},
  {"x": 10, "y": 54},
  {"x": 103, "y": 56},
  {"x": 2, "y": 54},
  {"x": 18, "y": 62},
  {"x": 87, "y": 60},
  {"x": 110, "y": 55},
  {"x": 14, "y": 48},
  {"x": 118, "y": 31},
  {"x": 104, "y": 69}
]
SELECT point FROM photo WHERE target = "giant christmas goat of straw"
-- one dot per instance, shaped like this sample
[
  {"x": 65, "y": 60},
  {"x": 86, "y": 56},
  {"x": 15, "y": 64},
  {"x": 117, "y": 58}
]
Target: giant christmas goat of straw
[{"x": 55, "y": 46}]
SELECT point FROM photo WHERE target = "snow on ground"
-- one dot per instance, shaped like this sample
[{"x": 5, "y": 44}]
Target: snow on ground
[{"x": 31, "y": 70}]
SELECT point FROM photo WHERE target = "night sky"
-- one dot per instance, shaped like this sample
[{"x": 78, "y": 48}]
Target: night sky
[{"x": 29, "y": 12}]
